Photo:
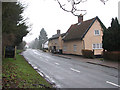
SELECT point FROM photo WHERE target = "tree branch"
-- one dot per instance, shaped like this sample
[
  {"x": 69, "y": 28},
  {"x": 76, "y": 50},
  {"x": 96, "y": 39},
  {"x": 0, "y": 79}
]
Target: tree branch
[
  {"x": 74, "y": 3},
  {"x": 61, "y": 6}
]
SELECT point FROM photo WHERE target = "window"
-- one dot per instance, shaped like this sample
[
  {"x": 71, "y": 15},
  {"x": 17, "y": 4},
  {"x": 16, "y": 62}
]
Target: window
[
  {"x": 93, "y": 46},
  {"x": 100, "y": 45},
  {"x": 74, "y": 47},
  {"x": 97, "y": 32},
  {"x": 56, "y": 41},
  {"x": 97, "y": 46},
  {"x": 64, "y": 48}
]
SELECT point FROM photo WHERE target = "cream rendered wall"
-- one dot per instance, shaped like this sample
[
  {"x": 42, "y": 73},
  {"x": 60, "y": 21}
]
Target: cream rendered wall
[
  {"x": 56, "y": 42},
  {"x": 90, "y": 38},
  {"x": 69, "y": 47},
  {"x": 60, "y": 41},
  {"x": 53, "y": 42}
]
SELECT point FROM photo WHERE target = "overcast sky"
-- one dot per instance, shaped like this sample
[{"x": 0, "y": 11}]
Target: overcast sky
[{"x": 48, "y": 15}]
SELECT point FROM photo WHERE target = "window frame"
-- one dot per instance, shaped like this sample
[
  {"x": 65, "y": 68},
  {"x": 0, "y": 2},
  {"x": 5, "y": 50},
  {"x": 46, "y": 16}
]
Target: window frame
[
  {"x": 101, "y": 45},
  {"x": 98, "y": 33},
  {"x": 64, "y": 48},
  {"x": 93, "y": 46},
  {"x": 74, "y": 48},
  {"x": 97, "y": 46}
]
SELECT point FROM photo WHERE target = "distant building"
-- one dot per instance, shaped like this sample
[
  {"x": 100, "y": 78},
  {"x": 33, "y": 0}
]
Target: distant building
[{"x": 55, "y": 44}]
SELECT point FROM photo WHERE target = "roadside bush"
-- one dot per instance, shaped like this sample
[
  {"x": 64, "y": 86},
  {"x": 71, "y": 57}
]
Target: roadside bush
[
  {"x": 112, "y": 55},
  {"x": 88, "y": 53}
]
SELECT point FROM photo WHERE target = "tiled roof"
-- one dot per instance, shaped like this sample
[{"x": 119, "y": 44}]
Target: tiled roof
[
  {"x": 78, "y": 31},
  {"x": 57, "y": 36}
]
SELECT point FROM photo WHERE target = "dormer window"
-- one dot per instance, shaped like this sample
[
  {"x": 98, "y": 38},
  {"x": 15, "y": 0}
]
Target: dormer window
[
  {"x": 97, "y": 32},
  {"x": 79, "y": 23}
]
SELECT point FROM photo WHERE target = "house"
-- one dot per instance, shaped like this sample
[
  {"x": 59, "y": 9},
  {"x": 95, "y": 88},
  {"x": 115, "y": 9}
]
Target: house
[
  {"x": 56, "y": 43},
  {"x": 84, "y": 35}
]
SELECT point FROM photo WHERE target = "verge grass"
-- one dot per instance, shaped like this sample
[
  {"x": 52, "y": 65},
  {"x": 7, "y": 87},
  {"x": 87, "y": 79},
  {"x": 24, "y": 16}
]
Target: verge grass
[{"x": 19, "y": 74}]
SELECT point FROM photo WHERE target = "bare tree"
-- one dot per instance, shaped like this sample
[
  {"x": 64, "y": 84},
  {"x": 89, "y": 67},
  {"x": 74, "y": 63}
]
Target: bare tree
[{"x": 71, "y": 6}]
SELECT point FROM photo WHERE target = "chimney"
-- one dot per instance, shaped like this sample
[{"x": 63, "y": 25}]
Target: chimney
[
  {"x": 58, "y": 31},
  {"x": 80, "y": 18}
]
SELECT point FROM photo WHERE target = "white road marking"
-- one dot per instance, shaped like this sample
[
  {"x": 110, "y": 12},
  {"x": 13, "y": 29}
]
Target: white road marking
[
  {"x": 57, "y": 63},
  {"x": 36, "y": 53},
  {"x": 75, "y": 70},
  {"x": 112, "y": 84}
]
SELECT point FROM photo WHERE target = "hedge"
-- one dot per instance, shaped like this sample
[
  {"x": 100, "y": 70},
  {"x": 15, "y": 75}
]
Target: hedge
[
  {"x": 111, "y": 55},
  {"x": 87, "y": 53}
]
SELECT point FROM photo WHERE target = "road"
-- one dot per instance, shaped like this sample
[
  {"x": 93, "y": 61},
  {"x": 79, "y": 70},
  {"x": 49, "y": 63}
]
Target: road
[{"x": 69, "y": 73}]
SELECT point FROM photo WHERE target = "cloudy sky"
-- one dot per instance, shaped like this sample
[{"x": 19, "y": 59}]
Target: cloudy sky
[{"x": 48, "y": 15}]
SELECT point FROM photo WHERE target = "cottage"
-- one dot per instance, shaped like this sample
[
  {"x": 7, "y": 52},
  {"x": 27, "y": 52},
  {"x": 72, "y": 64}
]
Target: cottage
[
  {"x": 56, "y": 43},
  {"x": 84, "y": 35}
]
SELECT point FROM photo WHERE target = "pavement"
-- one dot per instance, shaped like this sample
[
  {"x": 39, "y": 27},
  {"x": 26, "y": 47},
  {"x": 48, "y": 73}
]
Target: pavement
[{"x": 97, "y": 61}]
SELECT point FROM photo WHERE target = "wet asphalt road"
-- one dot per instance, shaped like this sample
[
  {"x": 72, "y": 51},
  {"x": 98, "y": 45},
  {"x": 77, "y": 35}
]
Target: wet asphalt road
[{"x": 68, "y": 73}]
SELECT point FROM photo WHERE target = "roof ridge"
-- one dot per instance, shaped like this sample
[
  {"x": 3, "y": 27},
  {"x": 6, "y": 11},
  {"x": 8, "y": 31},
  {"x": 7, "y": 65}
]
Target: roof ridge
[
  {"x": 85, "y": 20},
  {"x": 89, "y": 26},
  {"x": 85, "y": 25},
  {"x": 90, "y": 19},
  {"x": 56, "y": 36}
]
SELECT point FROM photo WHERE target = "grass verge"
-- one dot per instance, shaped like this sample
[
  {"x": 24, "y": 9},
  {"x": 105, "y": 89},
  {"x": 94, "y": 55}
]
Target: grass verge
[{"x": 19, "y": 74}]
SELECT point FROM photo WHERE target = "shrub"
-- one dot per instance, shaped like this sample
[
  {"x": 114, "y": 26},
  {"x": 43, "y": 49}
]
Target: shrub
[
  {"x": 111, "y": 55},
  {"x": 88, "y": 53}
]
